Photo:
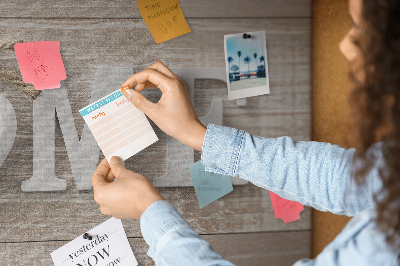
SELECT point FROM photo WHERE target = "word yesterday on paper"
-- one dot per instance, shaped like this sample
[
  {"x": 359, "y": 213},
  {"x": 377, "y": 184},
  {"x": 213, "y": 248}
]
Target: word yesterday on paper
[{"x": 109, "y": 246}]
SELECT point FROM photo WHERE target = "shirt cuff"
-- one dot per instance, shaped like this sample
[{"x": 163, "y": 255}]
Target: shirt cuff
[
  {"x": 157, "y": 220},
  {"x": 222, "y": 148}
]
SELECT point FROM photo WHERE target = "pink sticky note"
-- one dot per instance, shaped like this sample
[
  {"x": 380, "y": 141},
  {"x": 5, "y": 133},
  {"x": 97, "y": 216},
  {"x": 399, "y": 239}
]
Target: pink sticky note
[
  {"x": 41, "y": 64},
  {"x": 286, "y": 210}
]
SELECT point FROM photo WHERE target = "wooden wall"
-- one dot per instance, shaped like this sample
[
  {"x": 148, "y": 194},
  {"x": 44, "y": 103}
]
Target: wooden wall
[{"x": 240, "y": 226}]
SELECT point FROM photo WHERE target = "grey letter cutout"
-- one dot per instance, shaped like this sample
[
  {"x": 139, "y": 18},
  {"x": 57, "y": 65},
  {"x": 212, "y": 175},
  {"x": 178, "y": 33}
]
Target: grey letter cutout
[
  {"x": 83, "y": 154},
  {"x": 8, "y": 127}
]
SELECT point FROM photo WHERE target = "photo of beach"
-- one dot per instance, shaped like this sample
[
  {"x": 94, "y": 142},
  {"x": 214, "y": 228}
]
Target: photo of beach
[{"x": 246, "y": 61}]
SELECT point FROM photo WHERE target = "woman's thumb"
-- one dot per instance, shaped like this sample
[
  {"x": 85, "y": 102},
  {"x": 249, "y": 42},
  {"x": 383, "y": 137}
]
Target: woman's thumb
[
  {"x": 117, "y": 167},
  {"x": 138, "y": 100}
]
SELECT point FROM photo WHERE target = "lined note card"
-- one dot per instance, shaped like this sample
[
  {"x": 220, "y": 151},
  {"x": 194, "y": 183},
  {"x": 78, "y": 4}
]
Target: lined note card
[
  {"x": 209, "y": 186},
  {"x": 164, "y": 18},
  {"x": 118, "y": 126},
  {"x": 41, "y": 64}
]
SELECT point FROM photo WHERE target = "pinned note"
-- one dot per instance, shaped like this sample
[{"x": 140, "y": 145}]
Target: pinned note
[
  {"x": 107, "y": 245},
  {"x": 284, "y": 209},
  {"x": 41, "y": 64},
  {"x": 164, "y": 18},
  {"x": 209, "y": 186}
]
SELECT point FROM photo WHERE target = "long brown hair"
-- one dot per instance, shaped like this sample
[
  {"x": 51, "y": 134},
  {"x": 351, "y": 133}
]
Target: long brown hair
[{"x": 375, "y": 101}]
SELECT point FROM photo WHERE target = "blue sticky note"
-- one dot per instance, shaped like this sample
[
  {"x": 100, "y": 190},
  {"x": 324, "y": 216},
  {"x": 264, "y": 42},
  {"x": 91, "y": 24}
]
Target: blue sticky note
[{"x": 209, "y": 186}]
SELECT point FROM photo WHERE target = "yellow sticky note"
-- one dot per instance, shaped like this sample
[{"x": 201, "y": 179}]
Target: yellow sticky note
[{"x": 164, "y": 18}]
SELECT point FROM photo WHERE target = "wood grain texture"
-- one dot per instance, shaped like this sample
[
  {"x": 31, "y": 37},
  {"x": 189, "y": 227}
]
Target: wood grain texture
[
  {"x": 274, "y": 249},
  {"x": 128, "y": 9},
  {"x": 57, "y": 215},
  {"x": 85, "y": 43},
  {"x": 88, "y": 43},
  {"x": 112, "y": 33}
]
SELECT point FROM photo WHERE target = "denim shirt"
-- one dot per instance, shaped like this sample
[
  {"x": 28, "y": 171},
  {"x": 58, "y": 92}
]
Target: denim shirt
[{"x": 312, "y": 173}]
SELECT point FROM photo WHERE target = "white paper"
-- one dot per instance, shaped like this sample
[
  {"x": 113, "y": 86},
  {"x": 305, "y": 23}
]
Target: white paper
[
  {"x": 108, "y": 247},
  {"x": 118, "y": 126}
]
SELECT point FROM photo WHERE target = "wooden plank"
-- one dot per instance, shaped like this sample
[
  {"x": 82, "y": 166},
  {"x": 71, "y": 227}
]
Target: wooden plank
[
  {"x": 58, "y": 215},
  {"x": 281, "y": 248},
  {"x": 128, "y": 9},
  {"x": 88, "y": 43}
]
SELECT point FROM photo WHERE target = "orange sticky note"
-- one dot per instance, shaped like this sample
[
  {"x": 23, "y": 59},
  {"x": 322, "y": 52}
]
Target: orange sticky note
[
  {"x": 41, "y": 64},
  {"x": 164, "y": 18},
  {"x": 284, "y": 209}
]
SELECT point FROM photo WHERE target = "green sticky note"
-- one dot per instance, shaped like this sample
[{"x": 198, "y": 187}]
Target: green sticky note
[{"x": 209, "y": 186}]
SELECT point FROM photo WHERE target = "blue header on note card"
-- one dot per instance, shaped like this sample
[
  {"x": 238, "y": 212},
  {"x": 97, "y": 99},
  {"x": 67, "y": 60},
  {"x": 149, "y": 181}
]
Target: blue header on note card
[{"x": 102, "y": 102}]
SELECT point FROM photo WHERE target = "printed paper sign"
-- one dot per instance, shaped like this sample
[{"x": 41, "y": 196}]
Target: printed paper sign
[
  {"x": 109, "y": 246},
  {"x": 284, "y": 209},
  {"x": 41, "y": 64},
  {"x": 164, "y": 18},
  {"x": 118, "y": 126},
  {"x": 209, "y": 186}
]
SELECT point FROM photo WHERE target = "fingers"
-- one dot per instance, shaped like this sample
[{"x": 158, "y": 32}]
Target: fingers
[
  {"x": 160, "y": 67},
  {"x": 110, "y": 177},
  {"x": 118, "y": 168},
  {"x": 142, "y": 86},
  {"x": 104, "y": 211},
  {"x": 100, "y": 174},
  {"x": 157, "y": 78},
  {"x": 140, "y": 102}
]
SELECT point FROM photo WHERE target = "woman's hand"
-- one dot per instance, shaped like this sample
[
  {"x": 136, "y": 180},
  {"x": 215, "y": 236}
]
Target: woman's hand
[
  {"x": 127, "y": 197},
  {"x": 174, "y": 113}
]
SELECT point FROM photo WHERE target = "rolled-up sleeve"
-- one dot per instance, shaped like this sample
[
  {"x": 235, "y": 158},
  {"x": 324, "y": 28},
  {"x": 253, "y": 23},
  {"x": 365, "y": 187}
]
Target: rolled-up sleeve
[{"x": 316, "y": 174}]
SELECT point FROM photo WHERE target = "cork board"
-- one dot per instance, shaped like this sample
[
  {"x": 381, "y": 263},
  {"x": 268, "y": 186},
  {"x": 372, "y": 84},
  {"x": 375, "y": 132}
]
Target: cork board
[{"x": 331, "y": 89}]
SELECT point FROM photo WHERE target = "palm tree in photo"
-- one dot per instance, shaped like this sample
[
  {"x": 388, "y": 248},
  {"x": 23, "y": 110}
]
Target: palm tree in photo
[
  {"x": 230, "y": 60},
  {"x": 239, "y": 54},
  {"x": 247, "y": 60},
  {"x": 255, "y": 58},
  {"x": 262, "y": 59},
  {"x": 234, "y": 68}
]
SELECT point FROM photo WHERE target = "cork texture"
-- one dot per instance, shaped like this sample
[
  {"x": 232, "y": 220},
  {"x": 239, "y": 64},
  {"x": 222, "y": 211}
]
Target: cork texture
[{"x": 331, "y": 90}]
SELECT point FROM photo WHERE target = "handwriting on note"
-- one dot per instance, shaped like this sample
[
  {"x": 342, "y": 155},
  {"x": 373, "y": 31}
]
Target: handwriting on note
[
  {"x": 164, "y": 18},
  {"x": 284, "y": 209},
  {"x": 209, "y": 186},
  {"x": 41, "y": 64}
]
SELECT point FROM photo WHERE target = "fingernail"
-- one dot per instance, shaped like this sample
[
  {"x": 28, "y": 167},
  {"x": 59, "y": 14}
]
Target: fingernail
[
  {"x": 129, "y": 92},
  {"x": 115, "y": 160},
  {"x": 125, "y": 88}
]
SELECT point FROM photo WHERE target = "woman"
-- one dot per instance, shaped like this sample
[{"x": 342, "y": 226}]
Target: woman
[{"x": 320, "y": 175}]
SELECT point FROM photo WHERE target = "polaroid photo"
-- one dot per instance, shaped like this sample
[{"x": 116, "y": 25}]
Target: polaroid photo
[{"x": 246, "y": 64}]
